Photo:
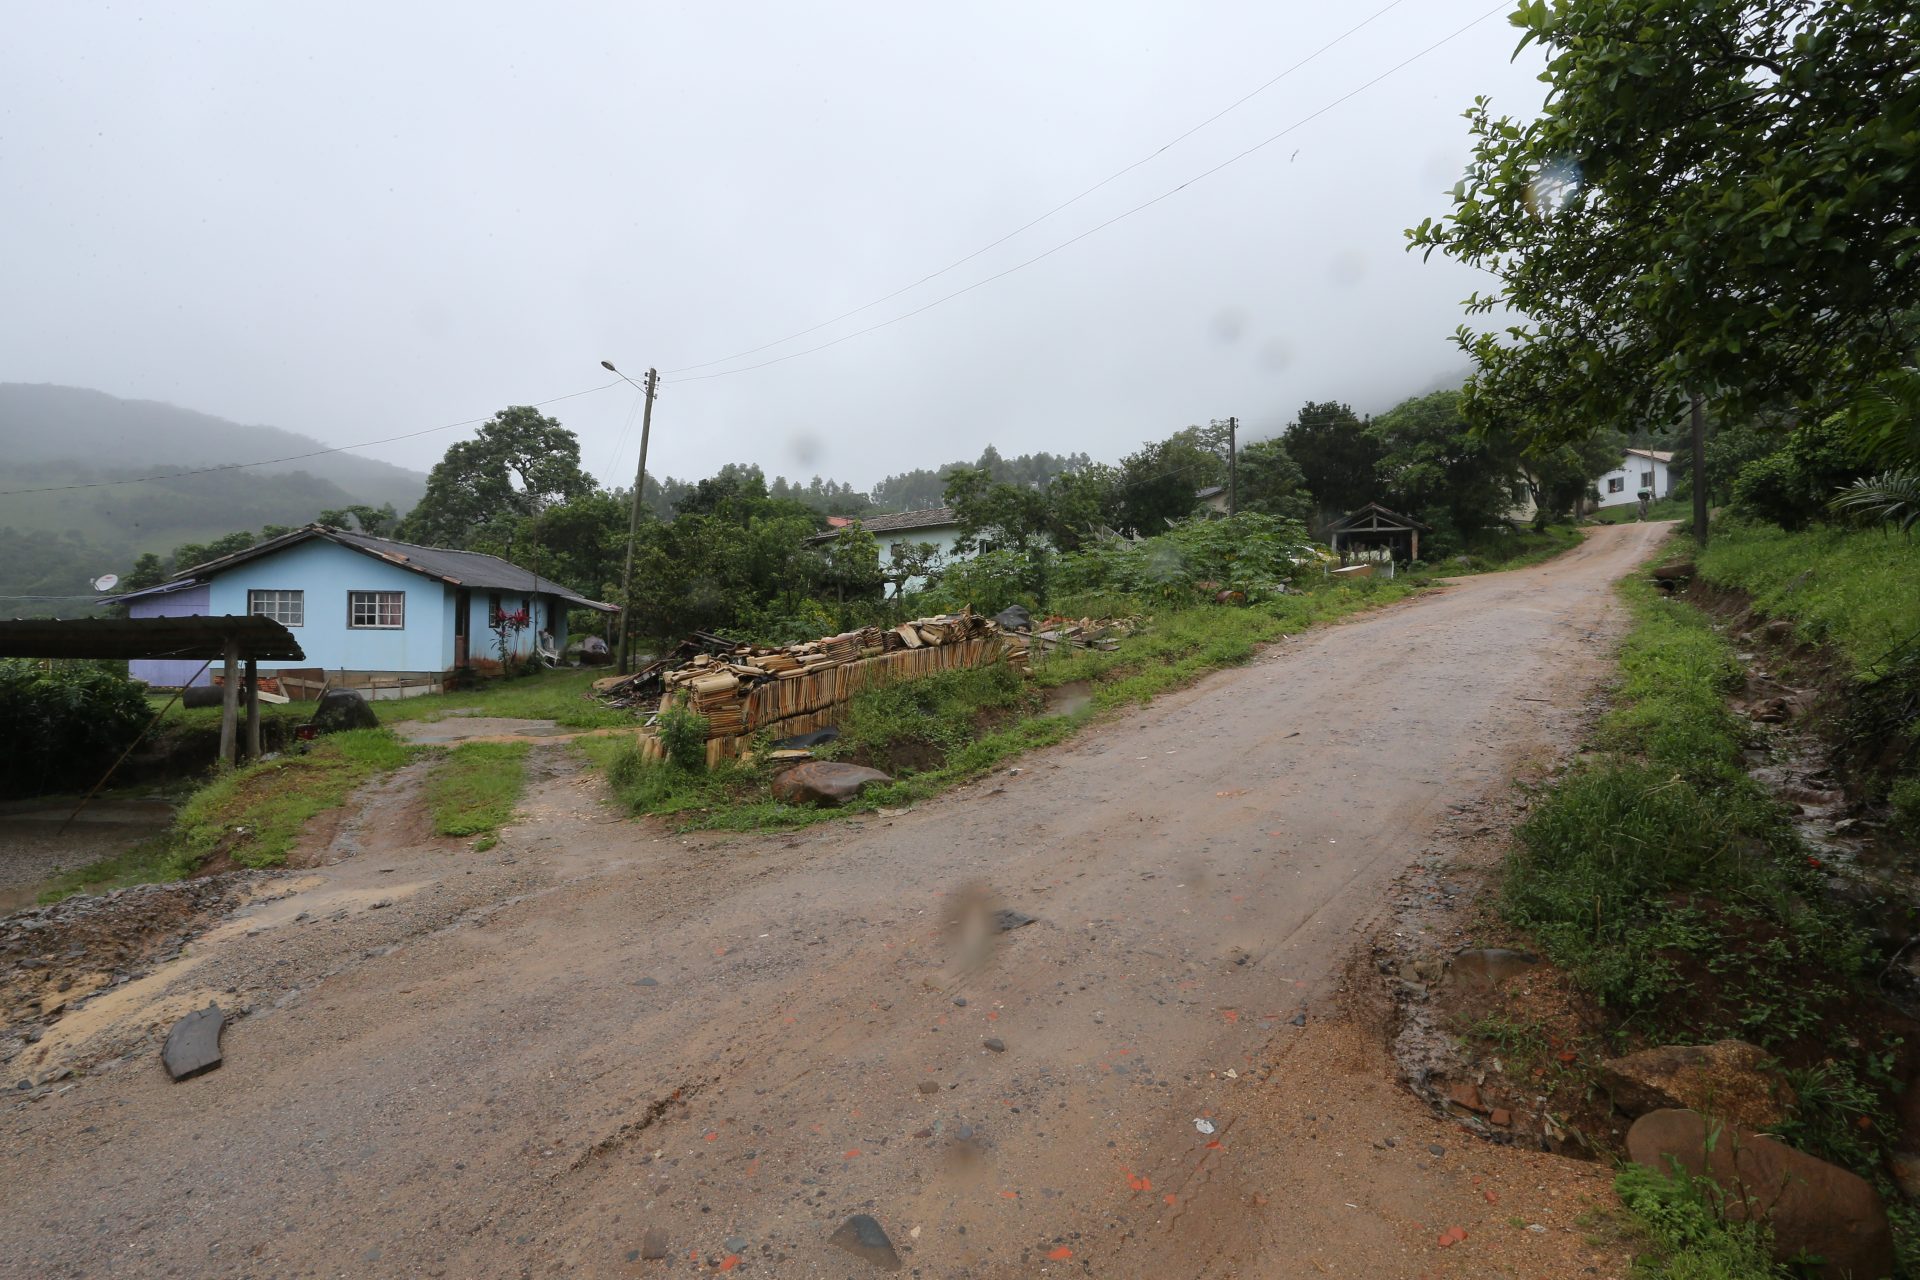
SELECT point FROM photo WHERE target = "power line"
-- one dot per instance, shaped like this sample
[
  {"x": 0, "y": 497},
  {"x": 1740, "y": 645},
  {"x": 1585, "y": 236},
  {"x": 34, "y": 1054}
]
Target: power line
[
  {"x": 295, "y": 457},
  {"x": 1119, "y": 217},
  {"x": 1066, "y": 204}
]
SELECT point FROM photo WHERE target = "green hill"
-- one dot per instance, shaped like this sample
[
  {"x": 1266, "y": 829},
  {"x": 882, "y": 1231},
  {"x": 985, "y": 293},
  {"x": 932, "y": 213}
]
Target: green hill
[{"x": 53, "y": 543}]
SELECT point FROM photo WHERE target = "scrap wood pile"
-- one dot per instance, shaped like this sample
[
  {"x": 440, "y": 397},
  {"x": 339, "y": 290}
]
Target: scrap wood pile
[
  {"x": 1085, "y": 633},
  {"x": 742, "y": 689}
]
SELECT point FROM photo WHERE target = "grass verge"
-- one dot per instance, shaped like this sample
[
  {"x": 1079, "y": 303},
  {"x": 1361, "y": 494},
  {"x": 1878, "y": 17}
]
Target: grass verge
[
  {"x": 1855, "y": 589},
  {"x": 1857, "y": 592},
  {"x": 1497, "y": 551},
  {"x": 1674, "y": 891},
  {"x": 935, "y": 732},
  {"x": 251, "y": 816},
  {"x": 1628, "y": 512},
  {"x": 564, "y": 697},
  {"x": 474, "y": 791}
]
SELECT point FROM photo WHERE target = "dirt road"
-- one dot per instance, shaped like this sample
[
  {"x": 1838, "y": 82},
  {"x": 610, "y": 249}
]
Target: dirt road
[{"x": 517, "y": 1062}]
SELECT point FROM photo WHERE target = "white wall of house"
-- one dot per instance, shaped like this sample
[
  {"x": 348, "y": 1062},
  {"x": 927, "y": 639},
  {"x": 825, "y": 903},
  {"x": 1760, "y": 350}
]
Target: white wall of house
[
  {"x": 943, "y": 536},
  {"x": 1637, "y": 470}
]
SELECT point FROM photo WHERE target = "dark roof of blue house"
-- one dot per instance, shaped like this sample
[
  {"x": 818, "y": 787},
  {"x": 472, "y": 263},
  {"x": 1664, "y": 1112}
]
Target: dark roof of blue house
[{"x": 470, "y": 569}]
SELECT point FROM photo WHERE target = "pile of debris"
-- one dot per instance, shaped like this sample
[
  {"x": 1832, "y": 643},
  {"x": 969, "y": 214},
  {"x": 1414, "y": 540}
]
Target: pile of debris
[
  {"x": 1086, "y": 633},
  {"x": 741, "y": 689}
]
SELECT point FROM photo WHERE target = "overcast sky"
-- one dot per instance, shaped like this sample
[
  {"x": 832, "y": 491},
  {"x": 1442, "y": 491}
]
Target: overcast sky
[{"x": 354, "y": 220}]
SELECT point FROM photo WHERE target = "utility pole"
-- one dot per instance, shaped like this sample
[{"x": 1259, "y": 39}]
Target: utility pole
[
  {"x": 1233, "y": 467},
  {"x": 1699, "y": 471},
  {"x": 633, "y": 520}
]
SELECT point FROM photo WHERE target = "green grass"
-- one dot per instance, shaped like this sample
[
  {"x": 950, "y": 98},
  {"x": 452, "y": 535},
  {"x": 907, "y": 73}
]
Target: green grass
[
  {"x": 1497, "y": 551},
  {"x": 945, "y": 729},
  {"x": 564, "y": 697},
  {"x": 1683, "y": 1222},
  {"x": 1627, "y": 513},
  {"x": 474, "y": 791},
  {"x": 1855, "y": 589},
  {"x": 253, "y": 815},
  {"x": 1659, "y": 857}
]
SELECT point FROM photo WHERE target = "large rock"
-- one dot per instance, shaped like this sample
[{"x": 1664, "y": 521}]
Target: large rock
[
  {"x": 1812, "y": 1207},
  {"x": 825, "y": 783},
  {"x": 193, "y": 1046},
  {"x": 1731, "y": 1079},
  {"x": 1014, "y": 618},
  {"x": 343, "y": 709},
  {"x": 862, "y": 1236}
]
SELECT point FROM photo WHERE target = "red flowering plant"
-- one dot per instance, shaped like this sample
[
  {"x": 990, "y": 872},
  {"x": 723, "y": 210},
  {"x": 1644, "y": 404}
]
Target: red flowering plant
[{"x": 505, "y": 625}]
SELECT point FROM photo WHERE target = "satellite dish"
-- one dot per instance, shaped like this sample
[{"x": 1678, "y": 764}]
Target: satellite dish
[{"x": 106, "y": 582}]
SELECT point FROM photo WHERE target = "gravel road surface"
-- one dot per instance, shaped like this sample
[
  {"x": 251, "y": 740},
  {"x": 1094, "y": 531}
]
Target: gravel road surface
[{"x": 597, "y": 1041}]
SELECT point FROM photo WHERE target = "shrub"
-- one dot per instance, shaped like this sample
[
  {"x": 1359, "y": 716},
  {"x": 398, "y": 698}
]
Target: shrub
[
  {"x": 63, "y": 723},
  {"x": 684, "y": 735}
]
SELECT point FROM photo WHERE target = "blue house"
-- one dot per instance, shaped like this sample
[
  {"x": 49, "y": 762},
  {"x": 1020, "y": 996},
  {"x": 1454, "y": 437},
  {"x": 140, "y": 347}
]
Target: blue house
[{"x": 389, "y": 618}]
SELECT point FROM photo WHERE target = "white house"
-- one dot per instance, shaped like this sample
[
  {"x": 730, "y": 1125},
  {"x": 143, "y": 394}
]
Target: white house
[
  {"x": 939, "y": 526},
  {"x": 388, "y": 617},
  {"x": 1640, "y": 470}
]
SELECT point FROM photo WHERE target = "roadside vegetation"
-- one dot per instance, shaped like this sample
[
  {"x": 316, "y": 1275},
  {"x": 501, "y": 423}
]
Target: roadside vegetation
[
  {"x": 251, "y": 817},
  {"x": 1674, "y": 891},
  {"x": 563, "y": 697},
  {"x": 474, "y": 790},
  {"x": 1627, "y": 513}
]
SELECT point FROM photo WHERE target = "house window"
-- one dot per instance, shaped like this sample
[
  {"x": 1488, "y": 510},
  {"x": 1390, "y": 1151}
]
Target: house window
[
  {"x": 1616, "y": 484},
  {"x": 1646, "y": 479},
  {"x": 385, "y": 610},
  {"x": 288, "y": 608}
]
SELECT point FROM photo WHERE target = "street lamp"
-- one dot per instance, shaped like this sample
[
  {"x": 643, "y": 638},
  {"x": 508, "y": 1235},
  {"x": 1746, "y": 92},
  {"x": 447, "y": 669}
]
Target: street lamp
[{"x": 633, "y": 520}]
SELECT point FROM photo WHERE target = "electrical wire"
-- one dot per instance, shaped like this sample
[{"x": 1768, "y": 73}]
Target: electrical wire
[
  {"x": 1119, "y": 217},
  {"x": 295, "y": 457},
  {"x": 1061, "y": 207}
]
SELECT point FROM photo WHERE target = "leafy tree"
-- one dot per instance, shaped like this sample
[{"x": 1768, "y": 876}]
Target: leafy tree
[
  {"x": 148, "y": 571},
  {"x": 852, "y": 564},
  {"x": 1560, "y": 476},
  {"x": 912, "y": 560},
  {"x": 188, "y": 554},
  {"x": 1272, "y": 483},
  {"x": 1792, "y": 486},
  {"x": 1081, "y": 502},
  {"x": 519, "y": 463},
  {"x": 1436, "y": 470},
  {"x": 1730, "y": 448},
  {"x": 1156, "y": 484},
  {"x": 995, "y": 515},
  {"x": 1338, "y": 458},
  {"x": 375, "y": 522},
  {"x": 1720, "y": 198}
]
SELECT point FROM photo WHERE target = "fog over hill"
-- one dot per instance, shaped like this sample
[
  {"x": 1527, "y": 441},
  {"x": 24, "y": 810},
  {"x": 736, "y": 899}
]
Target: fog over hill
[{"x": 69, "y": 443}]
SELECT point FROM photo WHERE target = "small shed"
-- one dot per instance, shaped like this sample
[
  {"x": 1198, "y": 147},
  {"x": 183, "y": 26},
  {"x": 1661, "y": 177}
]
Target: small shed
[
  {"x": 1374, "y": 526},
  {"x": 230, "y": 639}
]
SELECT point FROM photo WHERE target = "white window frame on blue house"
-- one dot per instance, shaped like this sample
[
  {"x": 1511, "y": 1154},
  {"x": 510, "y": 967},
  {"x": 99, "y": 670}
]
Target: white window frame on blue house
[
  {"x": 286, "y": 607},
  {"x": 374, "y": 606}
]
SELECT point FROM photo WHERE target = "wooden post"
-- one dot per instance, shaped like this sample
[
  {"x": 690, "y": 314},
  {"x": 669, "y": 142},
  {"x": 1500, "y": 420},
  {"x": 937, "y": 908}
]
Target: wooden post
[
  {"x": 1699, "y": 425},
  {"x": 1416, "y": 543},
  {"x": 633, "y": 520},
  {"x": 253, "y": 709},
  {"x": 1233, "y": 468},
  {"x": 229, "y": 703}
]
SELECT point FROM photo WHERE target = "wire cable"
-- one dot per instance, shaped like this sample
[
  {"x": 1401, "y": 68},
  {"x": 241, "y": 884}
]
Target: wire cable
[
  {"x": 1119, "y": 217},
  {"x": 295, "y": 457},
  {"x": 1064, "y": 205}
]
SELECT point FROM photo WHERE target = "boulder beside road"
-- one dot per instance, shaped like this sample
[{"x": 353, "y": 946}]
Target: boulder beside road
[
  {"x": 1730, "y": 1079},
  {"x": 1813, "y": 1207},
  {"x": 825, "y": 783}
]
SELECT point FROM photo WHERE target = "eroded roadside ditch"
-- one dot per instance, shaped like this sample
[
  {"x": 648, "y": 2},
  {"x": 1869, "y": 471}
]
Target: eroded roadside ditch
[{"x": 1514, "y": 1050}]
